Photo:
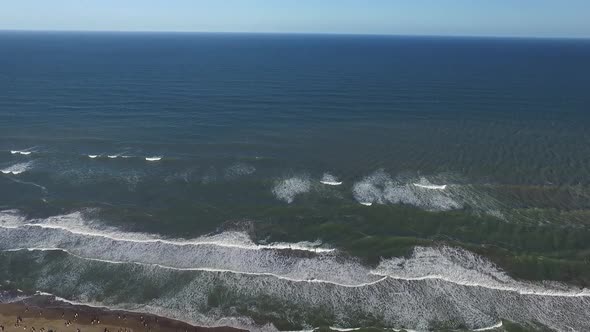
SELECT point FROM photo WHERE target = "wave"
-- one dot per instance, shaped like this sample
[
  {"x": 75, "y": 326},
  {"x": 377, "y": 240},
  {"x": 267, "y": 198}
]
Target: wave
[
  {"x": 431, "y": 186},
  {"x": 93, "y": 156},
  {"x": 113, "y": 156},
  {"x": 203, "y": 269},
  {"x": 446, "y": 283},
  {"x": 75, "y": 223},
  {"x": 330, "y": 180},
  {"x": 17, "y": 168},
  {"x": 153, "y": 158},
  {"x": 88, "y": 238},
  {"x": 381, "y": 188},
  {"x": 467, "y": 269},
  {"x": 459, "y": 276},
  {"x": 424, "y": 302},
  {"x": 287, "y": 189},
  {"x": 24, "y": 152}
]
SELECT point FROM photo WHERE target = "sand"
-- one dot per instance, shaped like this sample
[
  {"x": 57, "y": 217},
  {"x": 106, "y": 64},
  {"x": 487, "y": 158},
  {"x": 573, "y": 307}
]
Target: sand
[{"x": 43, "y": 314}]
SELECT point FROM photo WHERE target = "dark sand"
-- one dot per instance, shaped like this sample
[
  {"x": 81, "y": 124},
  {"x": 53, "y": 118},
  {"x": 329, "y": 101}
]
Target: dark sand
[{"x": 43, "y": 313}]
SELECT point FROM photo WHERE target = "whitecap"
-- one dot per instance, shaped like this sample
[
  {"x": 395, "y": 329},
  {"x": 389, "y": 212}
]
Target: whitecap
[
  {"x": 433, "y": 187},
  {"x": 24, "y": 153},
  {"x": 93, "y": 156},
  {"x": 425, "y": 184},
  {"x": 153, "y": 158},
  {"x": 287, "y": 189},
  {"x": 381, "y": 188},
  {"x": 113, "y": 156},
  {"x": 330, "y": 180},
  {"x": 16, "y": 168}
]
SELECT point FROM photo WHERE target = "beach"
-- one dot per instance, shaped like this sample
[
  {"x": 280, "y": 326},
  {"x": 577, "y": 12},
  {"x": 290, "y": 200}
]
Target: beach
[{"x": 43, "y": 313}]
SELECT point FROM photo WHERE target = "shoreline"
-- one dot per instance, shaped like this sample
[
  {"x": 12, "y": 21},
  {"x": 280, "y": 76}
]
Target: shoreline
[{"x": 45, "y": 313}]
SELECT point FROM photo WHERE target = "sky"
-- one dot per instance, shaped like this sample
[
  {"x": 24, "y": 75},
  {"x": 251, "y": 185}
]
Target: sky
[{"x": 519, "y": 18}]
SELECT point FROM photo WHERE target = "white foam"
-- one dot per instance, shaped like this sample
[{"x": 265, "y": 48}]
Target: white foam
[
  {"x": 24, "y": 153},
  {"x": 93, "y": 156},
  {"x": 464, "y": 268},
  {"x": 381, "y": 188},
  {"x": 434, "y": 285},
  {"x": 287, "y": 189},
  {"x": 113, "y": 156},
  {"x": 433, "y": 187},
  {"x": 344, "y": 329},
  {"x": 330, "y": 180},
  {"x": 17, "y": 168},
  {"x": 73, "y": 223},
  {"x": 366, "y": 203},
  {"x": 153, "y": 158},
  {"x": 205, "y": 269}
]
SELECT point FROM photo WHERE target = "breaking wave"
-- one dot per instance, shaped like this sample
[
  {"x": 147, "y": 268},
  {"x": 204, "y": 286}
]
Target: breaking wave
[
  {"x": 381, "y": 188},
  {"x": 330, "y": 180},
  {"x": 433, "y": 285},
  {"x": 24, "y": 152},
  {"x": 17, "y": 168}
]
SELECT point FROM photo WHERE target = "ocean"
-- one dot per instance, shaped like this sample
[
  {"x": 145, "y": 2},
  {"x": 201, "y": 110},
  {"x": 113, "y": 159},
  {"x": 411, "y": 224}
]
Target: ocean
[{"x": 283, "y": 181}]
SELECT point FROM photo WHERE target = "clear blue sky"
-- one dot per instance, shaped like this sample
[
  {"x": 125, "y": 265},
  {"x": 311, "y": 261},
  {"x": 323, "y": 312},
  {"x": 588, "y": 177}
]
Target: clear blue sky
[{"x": 540, "y": 18}]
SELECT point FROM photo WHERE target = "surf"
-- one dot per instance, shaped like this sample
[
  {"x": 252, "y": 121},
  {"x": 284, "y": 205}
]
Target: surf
[
  {"x": 330, "y": 180},
  {"x": 17, "y": 169},
  {"x": 24, "y": 153},
  {"x": 431, "y": 186}
]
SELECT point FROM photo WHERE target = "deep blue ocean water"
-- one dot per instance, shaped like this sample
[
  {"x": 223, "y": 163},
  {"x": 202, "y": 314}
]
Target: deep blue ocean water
[{"x": 248, "y": 129}]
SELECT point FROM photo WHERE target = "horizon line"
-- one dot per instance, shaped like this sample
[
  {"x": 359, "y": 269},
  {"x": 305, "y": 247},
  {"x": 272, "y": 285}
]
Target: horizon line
[{"x": 483, "y": 36}]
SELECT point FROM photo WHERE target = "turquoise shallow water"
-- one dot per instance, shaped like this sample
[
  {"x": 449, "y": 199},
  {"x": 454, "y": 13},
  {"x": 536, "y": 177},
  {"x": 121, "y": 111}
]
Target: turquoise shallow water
[{"x": 271, "y": 179}]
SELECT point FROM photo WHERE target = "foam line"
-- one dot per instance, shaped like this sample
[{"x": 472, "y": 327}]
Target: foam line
[
  {"x": 276, "y": 246},
  {"x": 202, "y": 269},
  {"x": 330, "y": 180},
  {"x": 24, "y": 153},
  {"x": 331, "y": 183},
  {"x": 431, "y": 186},
  {"x": 344, "y": 329},
  {"x": 582, "y": 293}
]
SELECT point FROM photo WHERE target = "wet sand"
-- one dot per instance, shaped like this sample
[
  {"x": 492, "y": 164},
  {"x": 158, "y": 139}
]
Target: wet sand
[{"x": 43, "y": 314}]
